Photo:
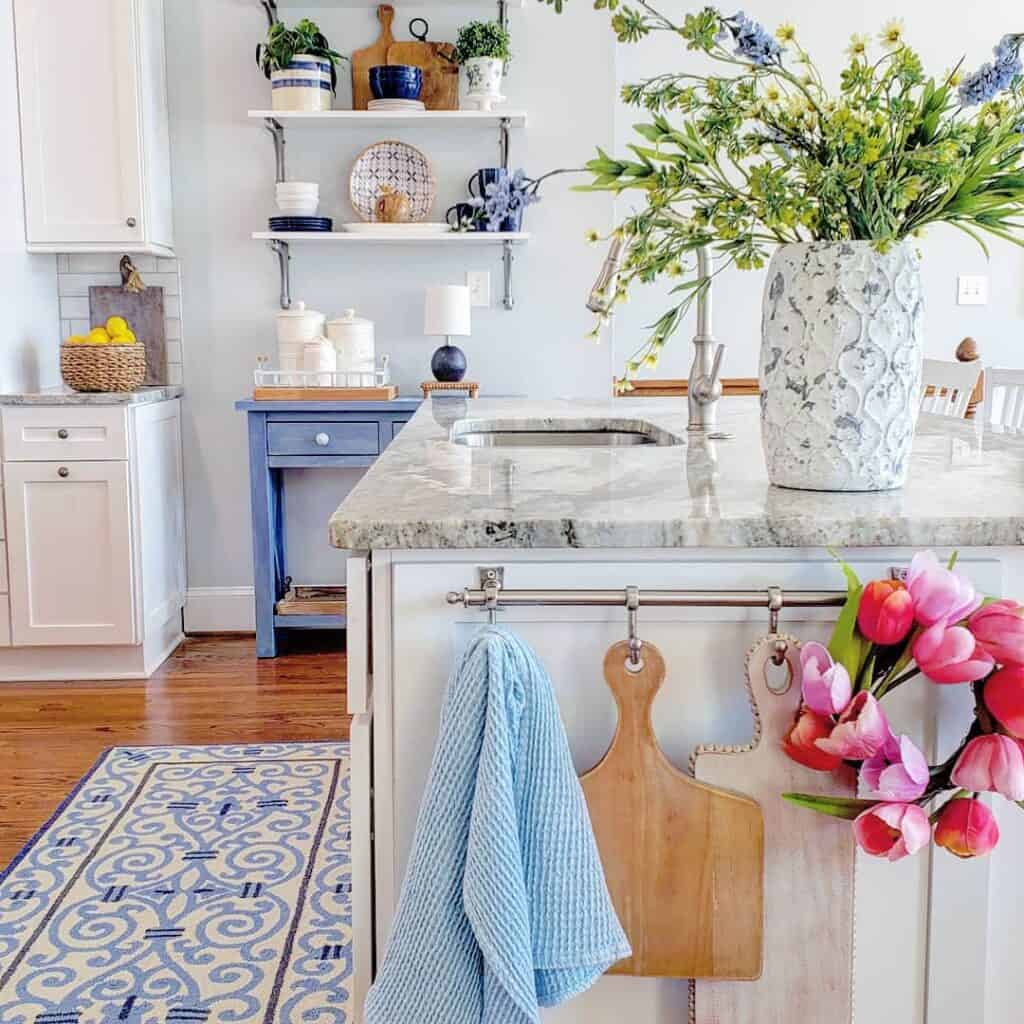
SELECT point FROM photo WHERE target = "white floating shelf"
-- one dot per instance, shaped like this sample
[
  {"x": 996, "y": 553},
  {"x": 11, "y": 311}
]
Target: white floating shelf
[
  {"x": 514, "y": 117},
  {"x": 352, "y": 238}
]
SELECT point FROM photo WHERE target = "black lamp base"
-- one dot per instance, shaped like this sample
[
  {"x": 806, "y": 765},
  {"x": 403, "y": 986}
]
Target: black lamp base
[{"x": 448, "y": 364}]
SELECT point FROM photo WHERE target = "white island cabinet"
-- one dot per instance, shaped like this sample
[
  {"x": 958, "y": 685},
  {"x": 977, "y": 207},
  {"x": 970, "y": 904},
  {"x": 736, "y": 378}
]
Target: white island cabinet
[
  {"x": 94, "y": 536},
  {"x": 932, "y": 945},
  {"x": 94, "y": 127}
]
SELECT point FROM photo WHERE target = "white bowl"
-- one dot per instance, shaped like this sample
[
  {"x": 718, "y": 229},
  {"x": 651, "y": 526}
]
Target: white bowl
[{"x": 298, "y": 209}]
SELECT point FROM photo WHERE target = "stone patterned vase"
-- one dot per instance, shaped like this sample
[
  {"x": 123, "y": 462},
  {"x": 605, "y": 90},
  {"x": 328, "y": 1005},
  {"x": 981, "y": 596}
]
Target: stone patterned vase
[{"x": 841, "y": 359}]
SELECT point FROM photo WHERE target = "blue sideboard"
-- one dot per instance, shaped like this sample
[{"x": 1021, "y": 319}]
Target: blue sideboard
[{"x": 303, "y": 435}]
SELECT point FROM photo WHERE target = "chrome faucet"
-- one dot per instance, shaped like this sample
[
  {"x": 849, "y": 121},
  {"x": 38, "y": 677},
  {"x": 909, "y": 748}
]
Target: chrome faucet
[{"x": 705, "y": 387}]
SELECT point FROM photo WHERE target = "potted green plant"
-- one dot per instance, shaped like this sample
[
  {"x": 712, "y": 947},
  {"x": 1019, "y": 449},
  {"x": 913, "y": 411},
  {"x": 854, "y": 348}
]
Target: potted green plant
[
  {"x": 301, "y": 66},
  {"x": 483, "y": 50}
]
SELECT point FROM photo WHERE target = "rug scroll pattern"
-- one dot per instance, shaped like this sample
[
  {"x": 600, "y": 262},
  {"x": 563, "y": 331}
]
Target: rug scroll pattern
[{"x": 187, "y": 885}]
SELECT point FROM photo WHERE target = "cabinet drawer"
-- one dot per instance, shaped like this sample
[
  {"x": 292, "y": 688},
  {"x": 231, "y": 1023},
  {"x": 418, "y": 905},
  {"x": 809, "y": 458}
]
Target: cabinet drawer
[
  {"x": 319, "y": 438},
  {"x": 64, "y": 433}
]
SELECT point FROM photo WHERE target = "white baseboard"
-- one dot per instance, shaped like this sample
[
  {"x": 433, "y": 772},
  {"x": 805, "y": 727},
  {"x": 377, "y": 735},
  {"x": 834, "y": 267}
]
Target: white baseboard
[{"x": 220, "y": 610}]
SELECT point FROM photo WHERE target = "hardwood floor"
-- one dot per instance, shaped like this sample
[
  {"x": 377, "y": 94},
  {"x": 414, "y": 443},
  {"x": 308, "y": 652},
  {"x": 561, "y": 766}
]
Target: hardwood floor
[{"x": 213, "y": 689}]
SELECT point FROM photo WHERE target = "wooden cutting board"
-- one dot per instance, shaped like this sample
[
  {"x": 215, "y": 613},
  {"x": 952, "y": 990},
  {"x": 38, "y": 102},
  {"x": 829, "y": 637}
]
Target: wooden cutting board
[
  {"x": 144, "y": 312},
  {"x": 683, "y": 860},
  {"x": 809, "y": 863},
  {"x": 440, "y": 75},
  {"x": 374, "y": 54}
]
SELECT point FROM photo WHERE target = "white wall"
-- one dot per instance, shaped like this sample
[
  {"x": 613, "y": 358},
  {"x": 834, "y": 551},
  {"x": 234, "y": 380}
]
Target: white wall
[
  {"x": 824, "y": 29},
  {"x": 223, "y": 190},
  {"x": 28, "y": 309}
]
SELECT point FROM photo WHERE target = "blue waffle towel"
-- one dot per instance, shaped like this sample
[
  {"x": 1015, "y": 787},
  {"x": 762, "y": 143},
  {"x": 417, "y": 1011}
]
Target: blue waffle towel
[{"x": 504, "y": 907}]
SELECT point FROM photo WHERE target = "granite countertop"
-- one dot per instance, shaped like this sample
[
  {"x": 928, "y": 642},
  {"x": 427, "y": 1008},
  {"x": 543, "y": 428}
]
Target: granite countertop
[
  {"x": 65, "y": 396},
  {"x": 424, "y": 492}
]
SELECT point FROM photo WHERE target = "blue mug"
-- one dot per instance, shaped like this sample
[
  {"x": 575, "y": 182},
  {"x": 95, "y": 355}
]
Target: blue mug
[
  {"x": 484, "y": 177},
  {"x": 460, "y": 217}
]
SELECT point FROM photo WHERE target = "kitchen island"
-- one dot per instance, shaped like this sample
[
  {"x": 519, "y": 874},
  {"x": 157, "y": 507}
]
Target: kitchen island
[{"x": 680, "y": 513}]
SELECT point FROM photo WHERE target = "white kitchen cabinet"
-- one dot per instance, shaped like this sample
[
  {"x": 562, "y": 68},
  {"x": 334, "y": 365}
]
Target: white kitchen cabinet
[
  {"x": 920, "y": 938},
  {"x": 70, "y": 553},
  {"x": 94, "y": 539},
  {"x": 94, "y": 125}
]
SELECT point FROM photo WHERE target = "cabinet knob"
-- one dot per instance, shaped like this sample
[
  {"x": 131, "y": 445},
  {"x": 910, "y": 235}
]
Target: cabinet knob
[
  {"x": 322, "y": 439},
  {"x": 62, "y": 434},
  {"x": 131, "y": 222},
  {"x": 63, "y": 471}
]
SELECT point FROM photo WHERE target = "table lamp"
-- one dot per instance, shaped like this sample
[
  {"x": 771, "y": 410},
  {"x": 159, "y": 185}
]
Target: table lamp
[{"x": 446, "y": 312}]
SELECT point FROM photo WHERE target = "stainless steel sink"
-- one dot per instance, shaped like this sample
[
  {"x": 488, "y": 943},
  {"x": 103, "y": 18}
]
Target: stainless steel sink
[{"x": 480, "y": 434}]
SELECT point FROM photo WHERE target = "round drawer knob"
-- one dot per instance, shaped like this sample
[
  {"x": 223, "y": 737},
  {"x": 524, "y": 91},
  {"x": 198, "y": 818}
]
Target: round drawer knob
[
  {"x": 63, "y": 471},
  {"x": 322, "y": 439},
  {"x": 131, "y": 222},
  {"x": 62, "y": 434}
]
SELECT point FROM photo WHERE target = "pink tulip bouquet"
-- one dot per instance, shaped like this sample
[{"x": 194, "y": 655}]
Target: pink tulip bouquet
[{"x": 889, "y": 632}]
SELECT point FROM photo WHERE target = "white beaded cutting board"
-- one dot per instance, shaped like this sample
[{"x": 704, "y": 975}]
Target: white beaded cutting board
[{"x": 809, "y": 870}]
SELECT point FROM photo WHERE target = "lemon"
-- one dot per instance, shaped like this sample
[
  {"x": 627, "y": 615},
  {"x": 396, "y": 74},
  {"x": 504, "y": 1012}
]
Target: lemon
[
  {"x": 117, "y": 325},
  {"x": 75, "y": 339},
  {"x": 123, "y": 338},
  {"x": 98, "y": 336}
]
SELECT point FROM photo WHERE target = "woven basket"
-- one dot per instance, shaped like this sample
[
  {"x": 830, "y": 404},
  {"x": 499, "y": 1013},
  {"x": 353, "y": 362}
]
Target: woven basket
[{"x": 103, "y": 367}]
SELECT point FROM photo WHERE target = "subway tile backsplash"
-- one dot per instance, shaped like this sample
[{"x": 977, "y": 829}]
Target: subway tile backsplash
[{"x": 77, "y": 271}]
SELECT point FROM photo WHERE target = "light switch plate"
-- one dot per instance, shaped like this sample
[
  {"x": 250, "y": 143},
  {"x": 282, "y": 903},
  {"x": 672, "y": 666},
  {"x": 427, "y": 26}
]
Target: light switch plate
[
  {"x": 972, "y": 290},
  {"x": 479, "y": 283}
]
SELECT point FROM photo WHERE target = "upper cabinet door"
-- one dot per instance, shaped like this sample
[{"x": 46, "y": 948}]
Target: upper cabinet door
[
  {"x": 70, "y": 552},
  {"x": 93, "y": 124}
]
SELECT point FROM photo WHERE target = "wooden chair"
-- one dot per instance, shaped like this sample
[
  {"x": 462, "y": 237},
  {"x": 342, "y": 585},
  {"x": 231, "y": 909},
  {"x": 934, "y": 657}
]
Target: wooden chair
[
  {"x": 1004, "y": 400},
  {"x": 947, "y": 387}
]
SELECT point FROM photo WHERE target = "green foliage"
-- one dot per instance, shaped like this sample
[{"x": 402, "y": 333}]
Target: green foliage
[
  {"x": 282, "y": 43},
  {"x": 847, "y": 646},
  {"x": 844, "y": 807},
  {"x": 483, "y": 39},
  {"x": 764, "y": 154}
]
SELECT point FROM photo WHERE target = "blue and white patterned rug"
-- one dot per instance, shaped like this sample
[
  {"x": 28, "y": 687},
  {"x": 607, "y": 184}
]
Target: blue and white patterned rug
[{"x": 186, "y": 885}]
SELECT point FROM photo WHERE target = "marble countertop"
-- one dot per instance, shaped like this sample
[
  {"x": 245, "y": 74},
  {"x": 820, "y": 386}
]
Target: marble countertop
[
  {"x": 65, "y": 396},
  {"x": 965, "y": 488}
]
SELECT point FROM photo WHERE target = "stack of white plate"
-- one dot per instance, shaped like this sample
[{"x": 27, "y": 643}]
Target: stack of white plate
[
  {"x": 405, "y": 105},
  {"x": 297, "y": 198}
]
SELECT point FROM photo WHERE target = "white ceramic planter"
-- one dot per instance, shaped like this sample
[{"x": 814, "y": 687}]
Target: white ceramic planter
[
  {"x": 841, "y": 358},
  {"x": 304, "y": 85},
  {"x": 483, "y": 81}
]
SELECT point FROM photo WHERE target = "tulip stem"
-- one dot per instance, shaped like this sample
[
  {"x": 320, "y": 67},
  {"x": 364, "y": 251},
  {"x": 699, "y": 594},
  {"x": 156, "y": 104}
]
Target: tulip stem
[{"x": 888, "y": 685}]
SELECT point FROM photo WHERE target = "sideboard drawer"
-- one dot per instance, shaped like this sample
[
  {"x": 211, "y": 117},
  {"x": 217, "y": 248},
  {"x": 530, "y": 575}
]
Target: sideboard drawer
[
  {"x": 323, "y": 438},
  {"x": 64, "y": 433}
]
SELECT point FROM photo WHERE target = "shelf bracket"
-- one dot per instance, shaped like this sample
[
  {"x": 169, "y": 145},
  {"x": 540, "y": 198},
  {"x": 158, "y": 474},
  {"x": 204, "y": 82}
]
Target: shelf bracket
[
  {"x": 270, "y": 6},
  {"x": 504, "y": 141},
  {"x": 284, "y": 259},
  {"x": 507, "y": 259},
  {"x": 503, "y": 13},
  {"x": 276, "y": 130}
]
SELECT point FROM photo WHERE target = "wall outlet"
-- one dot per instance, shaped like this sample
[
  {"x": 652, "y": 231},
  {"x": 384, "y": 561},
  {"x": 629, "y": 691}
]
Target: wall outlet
[
  {"x": 479, "y": 283},
  {"x": 972, "y": 290}
]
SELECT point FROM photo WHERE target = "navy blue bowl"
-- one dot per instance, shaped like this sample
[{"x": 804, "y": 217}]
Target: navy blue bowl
[{"x": 396, "y": 82}]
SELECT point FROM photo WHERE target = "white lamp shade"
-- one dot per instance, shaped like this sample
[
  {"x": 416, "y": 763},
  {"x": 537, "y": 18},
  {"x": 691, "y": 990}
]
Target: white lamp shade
[{"x": 446, "y": 310}]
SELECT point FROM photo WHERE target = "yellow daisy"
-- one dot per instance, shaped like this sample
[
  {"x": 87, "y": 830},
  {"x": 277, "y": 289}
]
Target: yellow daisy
[
  {"x": 891, "y": 35},
  {"x": 786, "y": 33},
  {"x": 592, "y": 237}
]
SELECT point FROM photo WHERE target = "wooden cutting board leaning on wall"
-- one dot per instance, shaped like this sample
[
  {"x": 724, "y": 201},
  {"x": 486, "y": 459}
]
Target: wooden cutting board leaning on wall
[
  {"x": 809, "y": 865},
  {"x": 683, "y": 860},
  {"x": 144, "y": 312},
  {"x": 369, "y": 57},
  {"x": 440, "y": 75}
]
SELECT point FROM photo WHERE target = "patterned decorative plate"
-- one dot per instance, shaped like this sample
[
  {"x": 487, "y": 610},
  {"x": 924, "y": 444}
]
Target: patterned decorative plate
[{"x": 394, "y": 165}]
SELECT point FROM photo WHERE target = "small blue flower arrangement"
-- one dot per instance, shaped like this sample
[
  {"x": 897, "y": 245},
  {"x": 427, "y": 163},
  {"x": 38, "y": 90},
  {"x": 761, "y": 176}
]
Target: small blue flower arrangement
[{"x": 502, "y": 206}]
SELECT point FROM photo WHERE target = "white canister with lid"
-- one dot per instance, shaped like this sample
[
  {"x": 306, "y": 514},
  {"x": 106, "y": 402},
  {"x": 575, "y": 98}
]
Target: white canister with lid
[
  {"x": 296, "y": 326},
  {"x": 318, "y": 356},
  {"x": 352, "y": 338}
]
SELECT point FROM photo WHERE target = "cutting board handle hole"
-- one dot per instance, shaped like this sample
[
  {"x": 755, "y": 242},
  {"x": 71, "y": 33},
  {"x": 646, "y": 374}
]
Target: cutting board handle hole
[
  {"x": 635, "y": 668},
  {"x": 778, "y": 679}
]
